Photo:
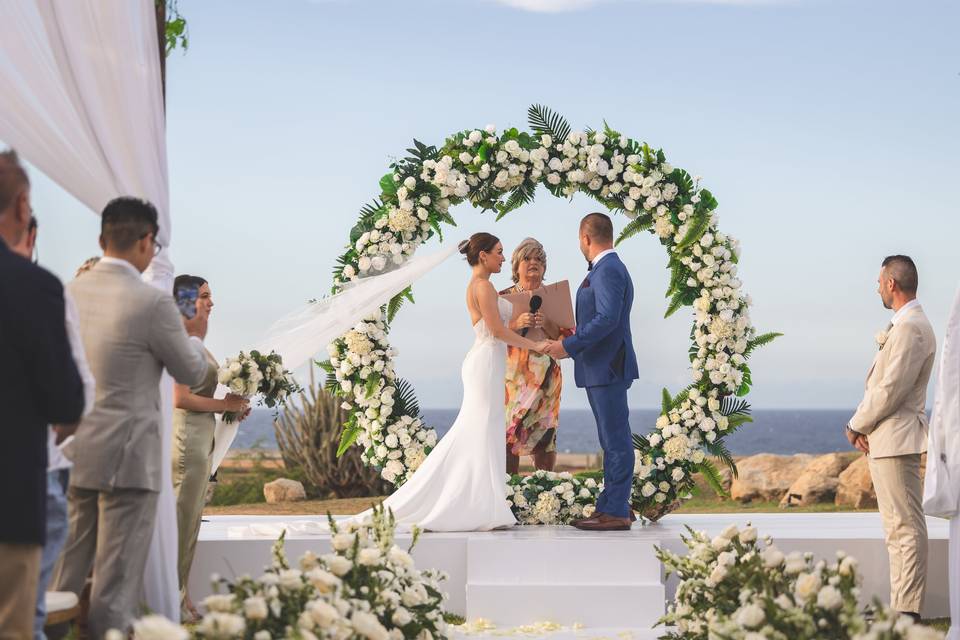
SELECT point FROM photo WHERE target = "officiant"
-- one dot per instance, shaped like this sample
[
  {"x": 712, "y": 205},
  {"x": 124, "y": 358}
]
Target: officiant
[{"x": 533, "y": 380}]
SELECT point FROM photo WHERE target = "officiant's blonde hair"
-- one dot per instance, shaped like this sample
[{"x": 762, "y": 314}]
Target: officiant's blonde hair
[{"x": 528, "y": 248}]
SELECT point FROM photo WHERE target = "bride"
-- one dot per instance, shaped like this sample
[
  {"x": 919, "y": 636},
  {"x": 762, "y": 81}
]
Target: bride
[{"x": 461, "y": 485}]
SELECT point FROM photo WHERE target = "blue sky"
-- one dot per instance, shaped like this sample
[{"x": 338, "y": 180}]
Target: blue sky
[{"x": 826, "y": 130}]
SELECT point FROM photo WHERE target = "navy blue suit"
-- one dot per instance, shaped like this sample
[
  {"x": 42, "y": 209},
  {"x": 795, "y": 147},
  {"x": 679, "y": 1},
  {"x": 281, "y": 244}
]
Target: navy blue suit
[{"x": 606, "y": 365}]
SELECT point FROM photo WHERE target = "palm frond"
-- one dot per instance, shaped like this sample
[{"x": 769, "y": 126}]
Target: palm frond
[
  {"x": 730, "y": 405},
  {"x": 405, "y": 400},
  {"x": 713, "y": 477},
  {"x": 543, "y": 120},
  {"x": 521, "y": 195},
  {"x": 719, "y": 450},
  {"x": 638, "y": 224},
  {"x": 759, "y": 341},
  {"x": 640, "y": 443}
]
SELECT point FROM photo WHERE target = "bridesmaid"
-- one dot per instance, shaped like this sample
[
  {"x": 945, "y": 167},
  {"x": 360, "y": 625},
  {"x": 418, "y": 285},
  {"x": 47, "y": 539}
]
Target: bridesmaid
[
  {"x": 193, "y": 426},
  {"x": 533, "y": 379}
]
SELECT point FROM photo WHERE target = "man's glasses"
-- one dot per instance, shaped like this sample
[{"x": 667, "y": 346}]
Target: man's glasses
[{"x": 157, "y": 247}]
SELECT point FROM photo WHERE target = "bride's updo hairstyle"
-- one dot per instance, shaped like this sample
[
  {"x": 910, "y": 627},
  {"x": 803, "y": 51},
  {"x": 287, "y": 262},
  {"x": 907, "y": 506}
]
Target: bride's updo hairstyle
[{"x": 480, "y": 241}]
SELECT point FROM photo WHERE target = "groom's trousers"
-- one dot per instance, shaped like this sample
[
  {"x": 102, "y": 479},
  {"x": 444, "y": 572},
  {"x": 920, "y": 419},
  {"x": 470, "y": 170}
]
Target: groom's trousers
[
  {"x": 899, "y": 497},
  {"x": 110, "y": 530},
  {"x": 609, "y": 405}
]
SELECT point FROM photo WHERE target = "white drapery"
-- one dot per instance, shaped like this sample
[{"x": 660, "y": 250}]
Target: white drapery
[
  {"x": 941, "y": 491},
  {"x": 81, "y": 99}
]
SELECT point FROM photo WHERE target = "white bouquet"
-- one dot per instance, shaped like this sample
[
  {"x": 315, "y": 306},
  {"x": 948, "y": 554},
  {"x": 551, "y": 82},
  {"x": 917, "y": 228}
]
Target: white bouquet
[
  {"x": 736, "y": 587},
  {"x": 546, "y": 497},
  {"x": 366, "y": 589},
  {"x": 257, "y": 374}
]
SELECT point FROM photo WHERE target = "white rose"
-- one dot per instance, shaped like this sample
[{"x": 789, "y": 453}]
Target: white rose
[
  {"x": 772, "y": 557},
  {"x": 338, "y": 565},
  {"x": 221, "y": 625},
  {"x": 829, "y": 598},
  {"x": 748, "y": 535},
  {"x": 807, "y": 585},
  {"x": 369, "y": 557},
  {"x": 219, "y": 602},
  {"x": 342, "y": 541},
  {"x": 156, "y": 627},
  {"x": 290, "y": 579},
  {"x": 323, "y": 613},
  {"x": 323, "y": 581},
  {"x": 255, "y": 608},
  {"x": 750, "y": 616}
]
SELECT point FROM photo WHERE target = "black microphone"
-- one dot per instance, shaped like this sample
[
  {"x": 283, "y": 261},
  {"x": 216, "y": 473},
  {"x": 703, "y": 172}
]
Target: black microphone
[{"x": 535, "y": 302}]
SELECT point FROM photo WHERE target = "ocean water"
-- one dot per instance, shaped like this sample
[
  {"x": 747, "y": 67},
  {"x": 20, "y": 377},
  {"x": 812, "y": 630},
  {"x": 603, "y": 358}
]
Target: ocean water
[{"x": 782, "y": 431}]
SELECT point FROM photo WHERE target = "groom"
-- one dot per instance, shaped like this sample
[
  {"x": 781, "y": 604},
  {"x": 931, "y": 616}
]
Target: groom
[{"x": 606, "y": 365}]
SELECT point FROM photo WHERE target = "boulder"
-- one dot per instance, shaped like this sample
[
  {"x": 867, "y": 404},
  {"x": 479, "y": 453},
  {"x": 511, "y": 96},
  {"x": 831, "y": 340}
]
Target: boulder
[
  {"x": 855, "y": 488},
  {"x": 284, "y": 490},
  {"x": 766, "y": 476},
  {"x": 818, "y": 482}
]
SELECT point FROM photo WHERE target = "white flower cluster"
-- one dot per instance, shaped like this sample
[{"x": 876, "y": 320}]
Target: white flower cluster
[
  {"x": 362, "y": 361},
  {"x": 366, "y": 589},
  {"x": 736, "y": 586},
  {"x": 241, "y": 375},
  {"x": 546, "y": 497}
]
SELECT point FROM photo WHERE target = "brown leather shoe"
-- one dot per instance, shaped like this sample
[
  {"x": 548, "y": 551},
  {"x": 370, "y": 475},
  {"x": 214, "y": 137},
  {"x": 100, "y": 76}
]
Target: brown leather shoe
[{"x": 603, "y": 522}]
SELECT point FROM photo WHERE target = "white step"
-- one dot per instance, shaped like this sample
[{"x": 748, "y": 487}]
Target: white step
[
  {"x": 585, "y": 633},
  {"x": 538, "y": 560},
  {"x": 619, "y": 606}
]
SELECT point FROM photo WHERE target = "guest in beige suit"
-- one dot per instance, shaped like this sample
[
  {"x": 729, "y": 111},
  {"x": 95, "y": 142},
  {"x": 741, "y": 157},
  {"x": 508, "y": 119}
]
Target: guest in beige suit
[
  {"x": 131, "y": 332},
  {"x": 890, "y": 426}
]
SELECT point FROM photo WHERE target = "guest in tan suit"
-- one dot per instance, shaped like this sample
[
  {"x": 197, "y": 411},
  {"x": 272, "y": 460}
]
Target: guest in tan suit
[
  {"x": 131, "y": 332},
  {"x": 890, "y": 426}
]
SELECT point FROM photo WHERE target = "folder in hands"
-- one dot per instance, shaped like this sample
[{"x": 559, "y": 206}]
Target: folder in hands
[{"x": 557, "y": 306}]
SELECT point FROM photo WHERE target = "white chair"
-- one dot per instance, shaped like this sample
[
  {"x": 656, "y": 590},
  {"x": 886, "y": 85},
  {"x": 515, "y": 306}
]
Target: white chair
[{"x": 62, "y": 607}]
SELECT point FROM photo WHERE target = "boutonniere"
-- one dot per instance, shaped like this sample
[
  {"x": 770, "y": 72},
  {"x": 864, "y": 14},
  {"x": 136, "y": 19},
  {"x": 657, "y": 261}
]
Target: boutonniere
[{"x": 882, "y": 338}]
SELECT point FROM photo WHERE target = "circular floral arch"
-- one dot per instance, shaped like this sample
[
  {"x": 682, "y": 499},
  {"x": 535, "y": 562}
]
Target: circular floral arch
[{"x": 500, "y": 171}]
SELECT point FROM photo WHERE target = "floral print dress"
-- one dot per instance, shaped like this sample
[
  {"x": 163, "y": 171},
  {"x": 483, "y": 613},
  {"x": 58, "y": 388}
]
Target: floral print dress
[{"x": 533, "y": 384}]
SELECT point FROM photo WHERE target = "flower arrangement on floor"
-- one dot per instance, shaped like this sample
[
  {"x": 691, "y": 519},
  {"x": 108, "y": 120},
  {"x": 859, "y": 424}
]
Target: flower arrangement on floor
[
  {"x": 736, "y": 587},
  {"x": 546, "y": 497},
  {"x": 366, "y": 589},
  {"x": 257, "y": 374},
  {"x": 500, "y": 171}
]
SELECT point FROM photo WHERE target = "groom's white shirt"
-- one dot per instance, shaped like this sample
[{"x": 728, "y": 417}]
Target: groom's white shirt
[{"x": 600, "y": 256}]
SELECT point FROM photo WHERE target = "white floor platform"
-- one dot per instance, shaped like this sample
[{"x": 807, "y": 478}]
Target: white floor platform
[{"x": 609, "y": 582}]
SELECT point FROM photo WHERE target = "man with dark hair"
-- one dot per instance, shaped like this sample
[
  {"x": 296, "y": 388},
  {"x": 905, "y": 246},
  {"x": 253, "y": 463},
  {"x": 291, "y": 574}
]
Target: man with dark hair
[
  {"x": 890, "y": 426},
  {"x": 606, "y": 365},
  {"x": 39, "y": 385},
  {"x": 131, "y": 332}
]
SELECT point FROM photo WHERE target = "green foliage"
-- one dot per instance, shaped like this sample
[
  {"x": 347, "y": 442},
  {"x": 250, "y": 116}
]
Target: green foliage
[
  {"x": 396, "y": 302},
  {"x": 719, "y": 450},
  {"x": 635, "y": 226},
  {"x": 405, "y": 400},
  {"x": 697, "y": 226},
  {"x": 730, "y": 405},
  {"x": 760, "y": 341},
  {"x": 545, "y": 122},
  {"x": 520, "y": 196},
  {"x": 175, "y": 29},
  {"x": 713, "y": 478},
  {"x": 666, "y": 401}
]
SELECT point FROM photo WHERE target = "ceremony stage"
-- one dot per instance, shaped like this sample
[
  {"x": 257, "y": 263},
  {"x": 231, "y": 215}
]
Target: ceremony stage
[{"x": 603, "y": 581}]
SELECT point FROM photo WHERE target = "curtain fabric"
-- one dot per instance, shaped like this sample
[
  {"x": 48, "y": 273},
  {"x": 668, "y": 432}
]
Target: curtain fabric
[{"x": 82, "y": 101}]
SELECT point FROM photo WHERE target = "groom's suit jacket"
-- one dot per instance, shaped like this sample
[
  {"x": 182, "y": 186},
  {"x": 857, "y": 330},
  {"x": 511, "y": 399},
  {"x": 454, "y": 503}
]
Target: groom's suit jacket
[
  {"x": 602, "y": 347},
  {"x": 39, "y": 385},
  {"x": 892, "y": 411},
  {"x": 130, "y": 331}
]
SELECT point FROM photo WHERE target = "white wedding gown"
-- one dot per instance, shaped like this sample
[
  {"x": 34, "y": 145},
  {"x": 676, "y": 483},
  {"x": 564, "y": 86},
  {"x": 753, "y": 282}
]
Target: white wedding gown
[{"x": 461, "y": 485}]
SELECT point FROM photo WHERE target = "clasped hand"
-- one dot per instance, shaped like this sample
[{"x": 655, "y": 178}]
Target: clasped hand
[
  {"x": 553, "y": 348},
  {"x": 530, "y": 321},
  {"x": 860, "y": 441}
]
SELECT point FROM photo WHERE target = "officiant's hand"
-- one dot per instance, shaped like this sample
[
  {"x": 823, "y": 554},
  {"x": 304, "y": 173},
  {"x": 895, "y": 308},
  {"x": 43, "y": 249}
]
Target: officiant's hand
[{"x": 529, "y": 321}]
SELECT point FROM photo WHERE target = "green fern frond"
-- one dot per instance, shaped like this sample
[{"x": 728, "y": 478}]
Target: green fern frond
[
  {"x": 759, "y": 341},
  {"x": 713, "y": 477},
  {"x": 396, "y": 302},
  {"x": 521, "y": 195},
  {"x": 695, "y": 230},
  {"x": 719, "y": 450},
  {"x": 731, "y": 405},
  {"x": 666, "y": 401},
  {"x": 544, "y": 121},
  {"x": 641, "y": 223}
]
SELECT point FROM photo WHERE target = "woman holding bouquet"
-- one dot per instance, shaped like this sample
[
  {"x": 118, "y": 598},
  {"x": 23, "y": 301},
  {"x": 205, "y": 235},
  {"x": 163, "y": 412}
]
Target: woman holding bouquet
[
  {"x": 533, "y": 379},
  {"x": 193, "y": 427}
]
